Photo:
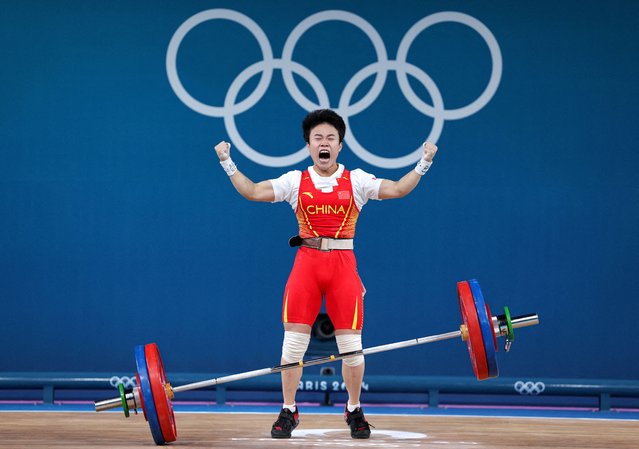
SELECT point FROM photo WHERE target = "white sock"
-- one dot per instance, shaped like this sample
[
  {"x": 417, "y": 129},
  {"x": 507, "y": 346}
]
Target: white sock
[
  {"x": 291, "y": 407},
  {"x": 351, "y": 408}
]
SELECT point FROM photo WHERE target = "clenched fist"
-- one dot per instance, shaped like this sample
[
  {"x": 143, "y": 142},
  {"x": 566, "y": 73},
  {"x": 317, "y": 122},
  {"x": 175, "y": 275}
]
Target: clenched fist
[
  {"x": 429, "y": 151},
  {"x": 223, "y": 150}
]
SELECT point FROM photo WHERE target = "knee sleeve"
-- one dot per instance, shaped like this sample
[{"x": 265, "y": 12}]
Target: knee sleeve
[
  {"x": 294, "y": 346},
  {"x": 348, "y": 343}
]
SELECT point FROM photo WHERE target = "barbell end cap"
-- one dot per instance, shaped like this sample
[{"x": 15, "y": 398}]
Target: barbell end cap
[
  {"x": 169, "y": 391},
  {"x": 464, "y": 332}
]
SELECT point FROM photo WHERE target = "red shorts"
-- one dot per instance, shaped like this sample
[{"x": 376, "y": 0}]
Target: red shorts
[{"x": 329, "y": 274}]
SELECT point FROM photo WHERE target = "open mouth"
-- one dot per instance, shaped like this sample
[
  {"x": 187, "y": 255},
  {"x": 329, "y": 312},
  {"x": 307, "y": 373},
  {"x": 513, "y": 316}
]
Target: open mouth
[{"x": 324, "y": 154}]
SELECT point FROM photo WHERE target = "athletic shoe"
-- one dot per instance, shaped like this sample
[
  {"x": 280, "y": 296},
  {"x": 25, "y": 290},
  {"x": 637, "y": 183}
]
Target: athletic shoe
[
  {"x": 286, "y": 422},
  {"x": 360, "y": 428}
]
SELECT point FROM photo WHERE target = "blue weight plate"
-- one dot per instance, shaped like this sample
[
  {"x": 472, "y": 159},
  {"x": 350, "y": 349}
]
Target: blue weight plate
[
  {"x": 147, "y": 396},
  {"x": 486, "y": 325}
]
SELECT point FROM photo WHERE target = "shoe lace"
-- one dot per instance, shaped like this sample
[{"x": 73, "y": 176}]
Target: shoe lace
[
  {"x": 285, "y": 421},
  {"x": 357, "y": 421}
]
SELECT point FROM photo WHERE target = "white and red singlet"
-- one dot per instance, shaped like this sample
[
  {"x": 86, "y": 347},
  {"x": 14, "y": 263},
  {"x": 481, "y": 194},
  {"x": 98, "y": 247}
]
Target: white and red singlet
[{"x": 325, "y": 207}]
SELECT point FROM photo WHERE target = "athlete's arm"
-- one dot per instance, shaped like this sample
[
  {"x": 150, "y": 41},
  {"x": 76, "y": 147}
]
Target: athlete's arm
[
  {"x": 396, "y": 189},
  {"x": 260, "y": 191}
]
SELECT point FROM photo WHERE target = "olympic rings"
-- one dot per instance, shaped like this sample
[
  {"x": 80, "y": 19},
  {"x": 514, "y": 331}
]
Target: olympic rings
[
  {"x": 529, "y": 388},
  {"x": 126, "y": 381},
  {"x": 379, "y": 68}
]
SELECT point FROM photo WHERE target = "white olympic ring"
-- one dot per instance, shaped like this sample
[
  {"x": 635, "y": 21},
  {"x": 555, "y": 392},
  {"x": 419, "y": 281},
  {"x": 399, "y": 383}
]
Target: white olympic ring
[
  {"x": 126, "y": 381},
  {"x": 367, "y": 28},
  {"x": 400, "y": 65},
  {"x": 529, "y": 388}
]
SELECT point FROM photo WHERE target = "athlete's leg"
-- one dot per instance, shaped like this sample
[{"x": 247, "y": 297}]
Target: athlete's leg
[
  {"x": 345, "y": 306},
  {"x": 353, "y": 373},
  {"x": 301, "y": 304},
  {"x": 352, "y": 367},
  {"x": 296, "y": 340}
]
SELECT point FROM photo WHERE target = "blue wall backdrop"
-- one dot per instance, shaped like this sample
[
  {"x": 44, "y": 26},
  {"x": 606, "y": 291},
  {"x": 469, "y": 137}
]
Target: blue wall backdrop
[{"x": 118, "y": 226}]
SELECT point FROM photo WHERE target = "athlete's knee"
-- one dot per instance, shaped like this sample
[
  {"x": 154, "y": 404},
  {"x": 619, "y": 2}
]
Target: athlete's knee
[
  {"x": 349, "y": 343},
  {"x": 294, "y": 346}
]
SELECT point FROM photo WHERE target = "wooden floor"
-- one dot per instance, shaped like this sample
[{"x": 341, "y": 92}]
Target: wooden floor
[{"x": 111, "y": 430}]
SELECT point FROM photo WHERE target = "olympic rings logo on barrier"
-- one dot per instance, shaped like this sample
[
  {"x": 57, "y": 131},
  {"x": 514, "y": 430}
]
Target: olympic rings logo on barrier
[
  {"x": 288, "y": 67},
  {"x": 529, "y": 388},
  {"x": 126, "y": 381}
]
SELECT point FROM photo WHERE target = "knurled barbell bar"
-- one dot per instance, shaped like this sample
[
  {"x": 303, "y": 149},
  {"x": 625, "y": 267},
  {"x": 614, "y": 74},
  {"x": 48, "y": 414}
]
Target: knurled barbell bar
[{"x": 479, "y": 329}]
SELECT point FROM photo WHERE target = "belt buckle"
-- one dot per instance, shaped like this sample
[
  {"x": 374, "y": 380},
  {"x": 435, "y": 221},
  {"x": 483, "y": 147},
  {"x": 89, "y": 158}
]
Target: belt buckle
[{"x": 323, "y": 246}]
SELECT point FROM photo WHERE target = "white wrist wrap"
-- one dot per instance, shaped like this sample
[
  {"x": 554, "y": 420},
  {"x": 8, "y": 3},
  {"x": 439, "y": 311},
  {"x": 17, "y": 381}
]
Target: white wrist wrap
[
  {"x": 229, "y": 166},
  {"x": 422, "y": 166}
]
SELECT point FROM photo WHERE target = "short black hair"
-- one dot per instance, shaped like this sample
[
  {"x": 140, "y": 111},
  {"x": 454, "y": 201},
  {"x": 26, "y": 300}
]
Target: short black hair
[{"x": 320, "y": 116}]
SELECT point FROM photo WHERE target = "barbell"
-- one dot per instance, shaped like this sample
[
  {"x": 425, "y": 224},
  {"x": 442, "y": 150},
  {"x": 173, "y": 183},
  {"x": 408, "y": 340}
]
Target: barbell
[{"x": 479, "y": 329}]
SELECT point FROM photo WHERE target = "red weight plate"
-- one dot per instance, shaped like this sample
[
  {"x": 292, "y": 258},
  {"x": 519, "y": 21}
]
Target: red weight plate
[
  {"x": 475, "y": 340},
  {"x": 157, "y": 378}
]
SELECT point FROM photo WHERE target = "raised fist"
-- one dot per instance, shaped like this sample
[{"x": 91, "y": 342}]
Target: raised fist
[
  {"x": 223, "y": 150},
  {"x": 429, "y": 151}
]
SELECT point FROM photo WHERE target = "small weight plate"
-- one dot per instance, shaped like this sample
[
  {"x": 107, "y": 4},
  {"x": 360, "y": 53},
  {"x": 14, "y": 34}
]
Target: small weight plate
[
  {"x": 490, "y": 316},
  {"x": 509, "y": 323},
  {"x": 125, "y": 406}
]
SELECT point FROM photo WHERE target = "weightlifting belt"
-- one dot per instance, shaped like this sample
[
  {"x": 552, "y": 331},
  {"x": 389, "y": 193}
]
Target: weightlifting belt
[{"x": 322, "y": 243}]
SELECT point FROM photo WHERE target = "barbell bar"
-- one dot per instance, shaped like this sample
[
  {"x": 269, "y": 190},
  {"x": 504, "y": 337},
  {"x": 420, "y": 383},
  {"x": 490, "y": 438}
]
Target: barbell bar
[{"x": 479, "y": 329}]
